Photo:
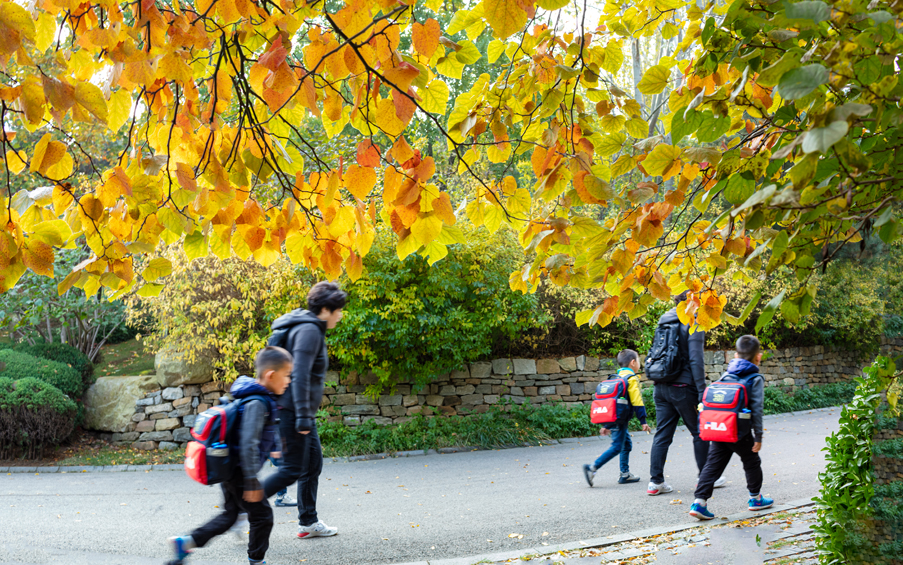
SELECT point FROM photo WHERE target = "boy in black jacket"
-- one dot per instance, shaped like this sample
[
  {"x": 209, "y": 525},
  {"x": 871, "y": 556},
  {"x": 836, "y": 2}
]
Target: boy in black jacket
[
  {"x": 257, "y": 438},
  {"x": 744, "y": 366}
]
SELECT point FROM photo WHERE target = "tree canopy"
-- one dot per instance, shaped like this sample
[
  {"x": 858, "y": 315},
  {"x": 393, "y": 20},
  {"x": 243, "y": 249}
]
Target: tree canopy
[{"x": 643, "y": 147}]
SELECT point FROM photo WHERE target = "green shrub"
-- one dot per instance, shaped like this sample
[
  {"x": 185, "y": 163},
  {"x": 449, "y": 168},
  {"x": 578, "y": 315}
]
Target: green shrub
[
  {"x": 411, "y": 320},
  {"x": 20, "y": 365},
  {"x": 34, "y": 415},
  {"x": 889, "y": 448},
  {"x": 779, "y": 401},
  {"x": 65, "y": 354}
]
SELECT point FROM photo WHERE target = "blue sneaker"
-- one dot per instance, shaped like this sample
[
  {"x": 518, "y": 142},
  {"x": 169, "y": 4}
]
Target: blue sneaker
[
  {"x": 182, "y": 546},
  {"x": 589, "y": 474},
  {"x": 760, "y": 503},
  {"x": 252, "y": 562},
  {"x": 700, "y": 512}
]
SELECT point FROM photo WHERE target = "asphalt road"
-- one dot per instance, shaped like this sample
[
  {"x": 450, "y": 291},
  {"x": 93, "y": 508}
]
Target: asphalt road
[{"x": 396, "y": 510}]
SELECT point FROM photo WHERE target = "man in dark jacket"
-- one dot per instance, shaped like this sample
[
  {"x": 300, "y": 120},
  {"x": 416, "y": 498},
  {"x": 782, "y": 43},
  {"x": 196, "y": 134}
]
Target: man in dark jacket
[
  {"x": 677, "y": 400},
  {"x": 302, "y": 456},
  {"x": 256, "y": 439}
]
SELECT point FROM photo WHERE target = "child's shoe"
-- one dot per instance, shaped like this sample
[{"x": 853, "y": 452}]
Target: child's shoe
[
  {"x": 628, "y": 478},
  {"x": 252, "y": 562},
  {"x": 760, "y": 503},
  {"x": 589, "y": 473},
  {"x": 655, "y": 490},
  {"x": 182, "y": 546},
  {"x": 285, "y": 500},
  {"x": 700, "y": 512}
]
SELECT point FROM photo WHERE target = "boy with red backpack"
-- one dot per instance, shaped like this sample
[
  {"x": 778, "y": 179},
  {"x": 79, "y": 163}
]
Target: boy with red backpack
[
  {"x": 731, "y": 418},
  {"x": 617, "y": 399},
  {"x": 251, "y": 436}
]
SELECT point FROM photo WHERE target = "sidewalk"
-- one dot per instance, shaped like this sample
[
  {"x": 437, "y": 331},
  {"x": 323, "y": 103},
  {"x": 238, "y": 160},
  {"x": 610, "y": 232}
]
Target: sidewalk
[{"x": 781, "y": 535}]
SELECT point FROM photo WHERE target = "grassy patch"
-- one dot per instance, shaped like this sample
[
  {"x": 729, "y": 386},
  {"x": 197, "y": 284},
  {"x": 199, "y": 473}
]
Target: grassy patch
[
  {"x": 123, "y": 456},
  {"x": 125, "y": 359}
]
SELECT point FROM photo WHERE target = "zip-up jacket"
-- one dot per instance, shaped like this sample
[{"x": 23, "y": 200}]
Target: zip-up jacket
[
  {"x": 257, "y": 428},
  {"x": 307, "y": 344},
  {"x": 755, "y": 388},
  {"x": 638, "y": 408},
  {"x": 693, "y": 374}
]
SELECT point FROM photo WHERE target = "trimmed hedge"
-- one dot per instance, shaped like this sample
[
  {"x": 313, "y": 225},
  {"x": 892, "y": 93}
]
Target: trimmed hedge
[
  {"x": 34, "y": 415},
  {"x": 62, "y": 353},
  {"x": 21, "y": 365}
]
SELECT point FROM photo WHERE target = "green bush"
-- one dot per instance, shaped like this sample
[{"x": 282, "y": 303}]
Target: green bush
[
  {"x": 21, "y": 365},
  {"x": 34, "y": 415},
  {"x": 411, "y": 320},
  {"x": 65, "y": 354},
  {"x": 780, "y": 401},
  {"x": 889, "y": 448}
]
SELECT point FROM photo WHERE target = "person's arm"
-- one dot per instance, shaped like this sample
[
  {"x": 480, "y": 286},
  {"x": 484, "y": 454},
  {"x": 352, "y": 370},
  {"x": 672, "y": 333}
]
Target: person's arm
[
  {"x": 305, "y": 348},
  {"x": 756, "y": 390},
  {"x": 696, "y": 346},
  {"x": 253, "y": 418},
  {"x": 636, "y": 399}
]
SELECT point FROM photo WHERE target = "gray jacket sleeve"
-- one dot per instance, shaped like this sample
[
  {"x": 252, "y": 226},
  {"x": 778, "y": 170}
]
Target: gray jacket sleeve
[
  {"x": 696, "y": 345},
  {"x": 253, "y": 419},
  {"x": 756, "y": 391},
  {"x": 306, "y": 345}
]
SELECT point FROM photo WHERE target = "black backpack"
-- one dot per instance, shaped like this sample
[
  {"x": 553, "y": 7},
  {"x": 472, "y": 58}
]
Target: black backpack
[{"x": 666, "y": 359}]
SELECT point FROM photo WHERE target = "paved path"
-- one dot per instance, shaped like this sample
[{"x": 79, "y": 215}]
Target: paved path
[{"x": 415, "y": 509}]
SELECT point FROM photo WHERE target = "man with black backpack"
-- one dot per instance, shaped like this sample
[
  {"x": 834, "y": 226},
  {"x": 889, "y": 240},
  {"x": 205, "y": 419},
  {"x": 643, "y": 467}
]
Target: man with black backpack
[
  {"x": 676, "y": 365},
  {"x": 303, "y": 333}
]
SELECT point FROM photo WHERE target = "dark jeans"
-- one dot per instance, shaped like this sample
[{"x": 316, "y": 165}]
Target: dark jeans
[
  {"x": 260, "y": 515},
  {"x": 302, "y": 461},
  {"x": 673, "y": 403},
  {"x": 620, "y": 444},
  {"x": 720, "y": 455}
]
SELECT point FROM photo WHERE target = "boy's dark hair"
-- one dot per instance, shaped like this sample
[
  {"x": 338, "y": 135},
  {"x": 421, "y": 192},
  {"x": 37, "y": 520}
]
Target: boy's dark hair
[
  {"x": 748, "y": 347},
  {"x": 271, "y": 358},
  {"x": 327, "y": 295},
  {"x": 681, "y": 297},
  {"x": 626, "y": 356}
]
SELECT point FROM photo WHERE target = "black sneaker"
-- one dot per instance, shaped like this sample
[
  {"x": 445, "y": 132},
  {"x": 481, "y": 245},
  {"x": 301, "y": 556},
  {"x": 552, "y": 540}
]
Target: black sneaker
[{"x": 589, "y": 473}]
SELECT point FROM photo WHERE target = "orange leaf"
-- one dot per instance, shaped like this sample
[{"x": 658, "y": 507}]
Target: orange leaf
[
  {"x": 402, "y": 76},
  {"x": 443, "y": 208},
  {"x": 186, "y": 177},
  {"x": 426, "y": 37},
  {"x": 38, "y": 256},
  {"x": 367, "y": 154},
  {"x": 354, "y": 266},
  {"x": 401, "y": 151},
  {"x": 360, "y": 181}
]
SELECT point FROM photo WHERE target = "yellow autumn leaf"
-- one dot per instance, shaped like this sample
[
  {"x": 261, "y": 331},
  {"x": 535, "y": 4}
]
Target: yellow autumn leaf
[
  {"x": 654, "y": 80},
  {"x": 505, "y": 16},
  {"x": 661, "y": 159}
]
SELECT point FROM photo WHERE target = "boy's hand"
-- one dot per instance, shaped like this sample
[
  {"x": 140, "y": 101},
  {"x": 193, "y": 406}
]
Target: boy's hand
[
  {"x": 276, "y": 454},
  {"x": 646, "y": 428},
  {"x": 757, "y": 447},
  {"x": 604, "y": 432},
  {"x": 253, "y": 495}
]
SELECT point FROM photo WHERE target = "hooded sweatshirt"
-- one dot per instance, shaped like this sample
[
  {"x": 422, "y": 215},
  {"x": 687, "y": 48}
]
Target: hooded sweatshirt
[
  {"x": 755, "y": 388},
  {"x": 693, "y": 374},
  {"x": 257, "y": 428},
  {"x": 307, "y": 344}
]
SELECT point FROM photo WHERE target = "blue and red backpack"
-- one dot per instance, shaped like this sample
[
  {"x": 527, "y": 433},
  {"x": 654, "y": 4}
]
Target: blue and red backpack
[
  {"x": 611, "y": 404},
  {"x": 725, "y": 415},
  {"x": 211, "y": 457}
]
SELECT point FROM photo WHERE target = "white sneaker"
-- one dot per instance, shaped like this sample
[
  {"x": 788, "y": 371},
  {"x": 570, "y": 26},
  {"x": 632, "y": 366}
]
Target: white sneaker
[
  {"x": 241, "y": 528},
  {"x": 655, "y": 490},
  {"x": 720, "y": 482},
  {"x": 319, "y": 529}
]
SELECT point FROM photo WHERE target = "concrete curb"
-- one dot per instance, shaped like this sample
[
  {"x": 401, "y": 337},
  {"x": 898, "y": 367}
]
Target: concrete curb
[
  {"x": 356, "y": 458},
  {"x": 612, "y": 540}
]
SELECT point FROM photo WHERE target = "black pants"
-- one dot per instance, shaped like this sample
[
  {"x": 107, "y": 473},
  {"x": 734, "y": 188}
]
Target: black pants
[
  {"x": 720, "y": 455},
  {"x": 673, "y": 403},
  {"x": 302, "y": 461},
  {"x": 260, "y": 515}
]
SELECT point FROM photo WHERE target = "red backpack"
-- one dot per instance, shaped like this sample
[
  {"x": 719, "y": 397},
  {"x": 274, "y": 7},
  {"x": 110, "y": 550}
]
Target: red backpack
[
  {"x": 209, "y": 459},
  {"x": 611, "y": 403},
  {"x": 725, "y": 415}
]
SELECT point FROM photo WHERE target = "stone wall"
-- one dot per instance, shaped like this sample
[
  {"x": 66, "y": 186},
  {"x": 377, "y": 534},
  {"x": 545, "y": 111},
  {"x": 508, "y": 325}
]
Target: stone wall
[{"x": 163, "y": 418}]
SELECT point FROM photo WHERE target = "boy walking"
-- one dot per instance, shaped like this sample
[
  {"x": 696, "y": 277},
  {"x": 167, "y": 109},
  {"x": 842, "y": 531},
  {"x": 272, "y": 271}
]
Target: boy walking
[
  {"x": 256, "y": 439},
  {"x": 621, "y": 444},
  {"x": 743, "y": 369}
]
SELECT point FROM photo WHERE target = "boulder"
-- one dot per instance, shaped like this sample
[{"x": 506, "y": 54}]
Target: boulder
[
  {"x": 168, "y": 446},
  {"x": 110, "y": 402},
  {"x": 172, "y": 393},
  {"x": 524, "y": 366},
  {"x": 174, "y": 370},
  {"x": 156, "y": 436}
]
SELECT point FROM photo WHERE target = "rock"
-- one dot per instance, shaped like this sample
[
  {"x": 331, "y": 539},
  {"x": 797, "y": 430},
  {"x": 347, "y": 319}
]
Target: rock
[
  {"x": 156, "y": 436},
  {"x": 524, "y": 366},
  {"x": 168, "y": 446},
  {"x": 181, "y": 435},
  {"x": 144, "y": 401},
  {"x": 491, "y": 399},
  {"x": 581, "y": 362},
  {"x": 110, "y": 402},
  {"x": 188, "y": 421},
  {"x": 568, "y": 364},
  {"x": 167, "y": 424},
  {"x": 127, "y": 436},
  {"x": 464, "y": 390},
  {"x": 213, "y": 386},
  {"x": 451, "y": 401},
  {"x": 472, "y": 399},
  {"x": 502, "y": 366},
  {"x": 460, "y": 374},
  {"x": 530, "y": 391},
  {"x": 434, "y": 400},
  {"x": 382, "y": 421},
  {"x": 144, "y": 445},
  {"x": 185, "y": 401},
  {"x": 480, "y": 370},
  {"x": 174, "y": 370},
  {"x": 360, "y": 410},
  {"x": 592, "y": 364},
  {"x": 409, "y": 401},
  {"x": 139, "y": 417},
  {"x": 544, "y": 390},
  {"x": 146, "y": 426},
  {"x": 343, "y": 399},
  {"x": 351, "y": 421},
  {"x": 563, "y": 390},
  {"x": 172, "y": 393},
  {"x": 547, "y": 366},
  {"x": 393, "y": 400},
  {"x": 167, "y": 407},
  {"x": 447, "y": 390},
  {"x": 577, "y": 388}
]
